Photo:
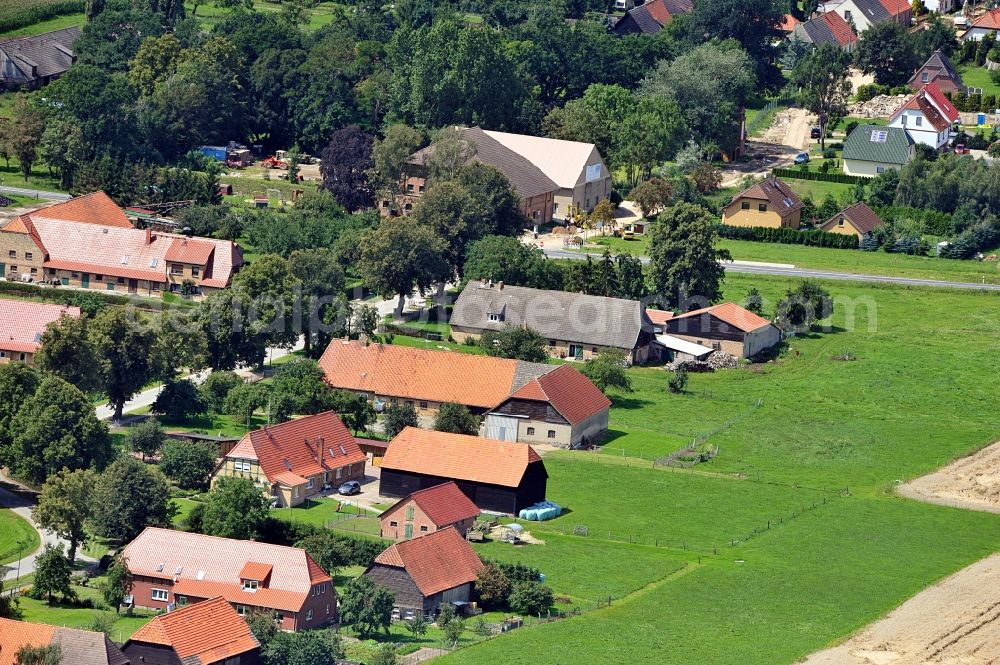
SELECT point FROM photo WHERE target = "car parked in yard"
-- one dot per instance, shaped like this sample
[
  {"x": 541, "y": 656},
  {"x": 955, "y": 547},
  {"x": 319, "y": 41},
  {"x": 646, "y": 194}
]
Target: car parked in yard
[
  {"x": 815, "y": 133},
  {"x": 802, "y": 158},
  {"x": 350, "y": 488}
]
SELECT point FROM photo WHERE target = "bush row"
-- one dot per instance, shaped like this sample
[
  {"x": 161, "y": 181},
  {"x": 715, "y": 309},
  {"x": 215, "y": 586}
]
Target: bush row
[
  {"x": 11, "y": 19},
  {"x": 789, "y": 236},
  {"x": 88, "y": 301},
  {"x": 842, "y": 178}
]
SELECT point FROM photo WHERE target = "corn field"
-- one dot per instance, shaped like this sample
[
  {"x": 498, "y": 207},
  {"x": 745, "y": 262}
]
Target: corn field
[{"x": 16, "y": 14}]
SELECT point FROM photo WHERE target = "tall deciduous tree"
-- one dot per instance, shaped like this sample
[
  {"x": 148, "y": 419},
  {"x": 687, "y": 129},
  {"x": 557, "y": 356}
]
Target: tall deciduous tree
[
  {"x": 508, "y": 260},
  {"x": 25, "y": 135},
  {"x": 346, "y": 165},
  {"x": 123, "y": 349},
  {"x": 236, "y": 508},
  {"x": 400, "y": 256},
  {"x": 62, "y": 147},
  {"x": 314, "y": 647},
  {"x": 18, "y": 382},
  {"x": 365, "y": 607},
  {"x": 56, "y": 427},
  {"x": 266, "y": 289},
  {"x": 457, "y": 419},
  {"x": 117, "y": 582},
  {"x": 516, "y": 342},
  {"x": 66, "y": 352},
  {"x": 146, "y": 437},
  {"x": 188, "y": 463},
  {"x": 179, "y": 399},
  {"x": 397, "y": 418},
  {"x": 130, "y": 497},
  {"x": 887, "y": 51},
  {"x": 755, "y": 24},
  {"x": 65, "y": 505},
  {"x": 301, "y": 380},
  {"x": 685, "y": 267},
  {"x": 391, "y": 152},
  {"x": 52, "y": 574},
  {"x": 321, "y": 281},
  {"x": 823, "y": 80},
  {"x": 607, "y": 370}
]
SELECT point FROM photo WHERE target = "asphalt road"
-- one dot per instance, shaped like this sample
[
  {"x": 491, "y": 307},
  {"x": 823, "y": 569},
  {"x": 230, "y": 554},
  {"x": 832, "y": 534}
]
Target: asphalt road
[
  {"x": 37, "y": 193},
  {"x": 792, "y": 271}
]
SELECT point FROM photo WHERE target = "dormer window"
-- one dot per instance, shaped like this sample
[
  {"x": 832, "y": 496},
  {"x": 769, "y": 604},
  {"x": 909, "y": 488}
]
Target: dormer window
[
  {"x": 496, "y": 318},
  {"x": 251, "y": 585}
]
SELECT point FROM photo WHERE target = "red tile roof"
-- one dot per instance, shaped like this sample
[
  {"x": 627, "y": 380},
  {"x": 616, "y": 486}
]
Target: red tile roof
[
  {"x": 933, "y": 105},
  {"x": 96, "y": 208},
  {"x": 256, "y": 571},
  {"x": 202, "y": 633},
  {"x": 436, "y": 562},
  {"x": 443, "y": 504},
  {"x": 218, "y": 562},
  {"x": 839, "y": 28},
  {"x": 989, "y": 21},
  {"x": 897, "y": 8},
  {"x": 291, "y": 452},
  {"x": 788, "y": 23},
  {"x": 418, "y": 374},
  {"x": 190, "y": 250},
  {"x": 732, "y": 314},
  {"x": 17, "y": 634},
  {"x": 568, "y": 391},
  {"x": 659, "y": 316},
  {"x": 23, "y": 322},
  {"x": 459, "y": 457}
]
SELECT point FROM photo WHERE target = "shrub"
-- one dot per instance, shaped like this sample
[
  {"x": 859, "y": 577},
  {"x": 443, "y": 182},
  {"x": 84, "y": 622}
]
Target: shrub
[
  {"x": 842, "y": 178},
  {"x": 678, "y": 382},
  {"x": 531, "y": 598},
  {"x": 813, "y": 238}
]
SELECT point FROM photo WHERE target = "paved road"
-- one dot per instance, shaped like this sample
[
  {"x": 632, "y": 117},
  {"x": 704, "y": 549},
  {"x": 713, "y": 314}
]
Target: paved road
[
  {"x": 23, "y": 507},
  {"x": 793, "y": 271},
  {"x": 37, "y": 193},
  {"x": 147, "y": 397}
]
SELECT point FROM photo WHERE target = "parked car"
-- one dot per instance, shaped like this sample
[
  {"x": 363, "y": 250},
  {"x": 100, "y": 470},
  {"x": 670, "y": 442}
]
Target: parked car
[
  {"x": 815, "y": 133},
  {"x": 350, "y": 488},
  {"x": 802, "y": 158},
  {"x": 628, "y": 235}
]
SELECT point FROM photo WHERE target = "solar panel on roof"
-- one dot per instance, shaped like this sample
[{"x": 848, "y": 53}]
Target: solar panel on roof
[{"x": 879, "y": 135}]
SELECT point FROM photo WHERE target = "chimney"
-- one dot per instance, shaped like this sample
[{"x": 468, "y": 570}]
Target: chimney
[
  {"x": 499, "y": 286},
  {"x": 149, "y": 235},
  {"x": 320, "y": 446}
]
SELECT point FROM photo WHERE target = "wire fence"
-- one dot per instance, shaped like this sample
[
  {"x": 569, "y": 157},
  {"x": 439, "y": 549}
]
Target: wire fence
[{"x": 764, "y": 114}]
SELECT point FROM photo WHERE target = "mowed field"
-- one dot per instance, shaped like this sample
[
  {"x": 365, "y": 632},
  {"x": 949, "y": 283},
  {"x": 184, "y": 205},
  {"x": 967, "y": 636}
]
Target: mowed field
[{"x": 792, "y": 538}]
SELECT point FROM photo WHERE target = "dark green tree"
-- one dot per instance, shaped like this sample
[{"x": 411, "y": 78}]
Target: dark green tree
[
  {"x": 398, "y": 417},
  {"x": 146, "y": 437},
  {"x": 18, "y": 382},
  {"x": 803, "y": 306},
  {"x": 824, "y": 85},
  {"x": 188, "y": 463},
  {"x": 356, "y": 412},
  {"x": 753, "y": 301},
  {"x": 117, "y": 582},
  {"x": 400, "y": 257},
  {"x": 66, "y": 352},
  {"x": 755, "y": 24},
  {"x": 493, "y": 586},
  {"x": 531, "y": 598},
  {"x": 607, "y": 370},
  {"x": 508, "y": 260},
  {"x": 631, "y": 280},
  {"x": 55, "y": 428},
  {"x": 180, "y": 400},
  {"x": 516, "y": 342},
  {"x": 457, "y": 419},
  {"x": 301, "y": 382},
  {"x": 887, "y": 51},
  {"x": 123, "y": 349},
  {"x": 65, "y": 505},
  {"x": 236, "y": 508},
  {"x": 685, "y": 264},
  {"x": 50, "y": 654},
  {"x": 217, "y": 387},
  {"x": 320, "y": 280},
  {"x": 314, "y": 647},
  {"x": 130, "y": 497},
  {"x": 365, "y": 607},
  {"x": 52, "y": 574}
]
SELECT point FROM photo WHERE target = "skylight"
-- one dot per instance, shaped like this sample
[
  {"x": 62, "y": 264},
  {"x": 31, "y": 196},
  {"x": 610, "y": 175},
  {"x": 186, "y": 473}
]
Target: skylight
[{"x": 879, "y": 135}]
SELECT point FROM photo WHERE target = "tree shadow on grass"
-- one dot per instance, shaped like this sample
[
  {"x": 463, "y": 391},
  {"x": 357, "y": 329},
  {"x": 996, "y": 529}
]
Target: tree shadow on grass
[{"x": 627, "y": 402}]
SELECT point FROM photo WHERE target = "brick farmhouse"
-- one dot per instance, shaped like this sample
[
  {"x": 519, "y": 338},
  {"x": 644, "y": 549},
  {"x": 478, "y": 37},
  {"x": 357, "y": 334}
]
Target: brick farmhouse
[{"x": 429, "y": 510}]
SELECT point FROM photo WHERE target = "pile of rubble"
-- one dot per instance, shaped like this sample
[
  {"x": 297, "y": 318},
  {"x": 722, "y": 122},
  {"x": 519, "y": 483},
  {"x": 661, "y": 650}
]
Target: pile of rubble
[
  {"x": 717, "y": 360},
  {"x": 882, "y": 106}
]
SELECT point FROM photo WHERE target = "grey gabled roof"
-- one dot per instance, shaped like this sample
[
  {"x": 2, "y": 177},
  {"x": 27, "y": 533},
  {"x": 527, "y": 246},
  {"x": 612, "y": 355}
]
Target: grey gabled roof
[
  {"x": 873, "y": 10},
  {"x": 526, "y": 178},
  {"x": 47, "y": 54},
  {"x": 571, "y": 317},
  {"x": 895, "y": 150},
  {"x": 84, "y": 647}
]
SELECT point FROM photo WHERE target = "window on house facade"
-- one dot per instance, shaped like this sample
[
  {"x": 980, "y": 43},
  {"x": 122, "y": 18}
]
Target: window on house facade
[
  {"x": 28, "y": 256},
  {"x": 121, "y": 280},
  {"x": 879, "y": 169},
  {"x": 3, "y": 354},
  {"x": 745, "y": 205},
  {"x": 195, "y": 271},
  {"x": 242, "y": 610},
  {"x": 919, "y": 121},
  {"x": 13, "y": 269},
  {"x": 423, "y": 528},
  {"x": 762, "y": 207},
  {"x": 552, "y": 434},
  {"x": 393, "y": 523},
  {"x": 840, "y": 222},
  {"x": 34, "y": 271},
  {"x": 531, "y": 431},
  {"x": 12, "y": 254},
  {"x": 182, "y": 600},
  {"x": 494, "y": 317},
  {"x": 295, "y": 492},
  {"x": 160, "y": 594},
  {"x": 309, "y": 615},
  {"x": 423, "y": 405},
  {"x": 925, "y": 77},
  {"x": 23, "y": 357},
  {"x": 176, "y": 269},
  {"x": 309, "y": 485}
]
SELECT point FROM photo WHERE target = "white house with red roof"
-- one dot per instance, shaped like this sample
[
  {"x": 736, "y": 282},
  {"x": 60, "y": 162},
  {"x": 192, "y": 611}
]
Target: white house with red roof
[
  {"x": 927, "y": 117},
  {"x": 172, "y": 569},
  {"x": 296, "y": 460},
  {"x": 21, "y": 326},
  {"x": 88, "y": 243},
  {"x": 982, "y": 26}
]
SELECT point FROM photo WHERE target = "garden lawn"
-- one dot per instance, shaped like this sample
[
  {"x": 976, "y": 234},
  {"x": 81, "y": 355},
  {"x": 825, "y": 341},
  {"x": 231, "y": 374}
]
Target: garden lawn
[
  {"x": 183, "y": 508},
  {"x": 321, "y": 512},
  {"x": 73, "y": 616},
  {"x": 818, "y": 459},
  {"x": 978, "y": 77},
  {"x": 14, "y": 528}
]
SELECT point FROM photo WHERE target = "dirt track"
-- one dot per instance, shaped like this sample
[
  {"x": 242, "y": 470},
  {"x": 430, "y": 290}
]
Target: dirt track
[
  {"x": 972, "y": 483},
  {"x": 954, "y": 622}
]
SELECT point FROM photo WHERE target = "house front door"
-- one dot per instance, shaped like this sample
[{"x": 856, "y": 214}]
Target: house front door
[
  {"x": 3, "y": 269},
  {"x": 133, "y": 285},
  {"x": 85, "y": 280},
  {"x": 576, "y": 351},
  {"x": 408, "y": 531}
]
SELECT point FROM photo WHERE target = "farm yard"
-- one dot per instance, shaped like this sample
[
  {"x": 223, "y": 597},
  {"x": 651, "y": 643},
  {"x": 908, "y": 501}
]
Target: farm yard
[{"x": 793, "y": 536}]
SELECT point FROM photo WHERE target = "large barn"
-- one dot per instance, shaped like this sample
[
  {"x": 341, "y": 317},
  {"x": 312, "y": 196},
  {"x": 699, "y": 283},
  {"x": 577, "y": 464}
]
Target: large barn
[{"x": 498, "y": 476}]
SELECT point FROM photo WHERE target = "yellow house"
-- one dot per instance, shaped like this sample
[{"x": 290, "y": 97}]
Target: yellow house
[
  {"x": 857, "y": 220},
  {"x": 770, "y": 203}
]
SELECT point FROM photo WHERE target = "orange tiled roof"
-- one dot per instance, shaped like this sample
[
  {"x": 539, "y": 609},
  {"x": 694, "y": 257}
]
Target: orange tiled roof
[
  {"x": 896, "y": 7},
  {"x": 17, "y": 634},
  {"x": 23, "y": 322},
  {"x": 459, "y": 457},
  {"x": 788, "y": 23},
  {"x": 190, "y": 250},
  {"x": 218, "y": 562},
  {"x": 659, "y": 316},
  {"x": 731, "y": 313},
  {"x": 418, "y": 374},
  {"x": 291, "y": 452},
  {"x": 934, "y": 106},
  {"x": 95, "y": 208},
  {"x": 568, "y": 391},
  {"x": 256, "y": 571},
  {"x": 989, "y": 21},
  {"x": 205, "y": 632},
  {"x": 443, "y": 504},
  {"x": 436, "y": 562}
]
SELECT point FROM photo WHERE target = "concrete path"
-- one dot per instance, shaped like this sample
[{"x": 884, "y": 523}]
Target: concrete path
[
  {"x": 793, "y": 271},
  {"x": 37, "y": 193},
  {"x": 148, "y": 396},
  {"x": 22, "y": 507}
]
